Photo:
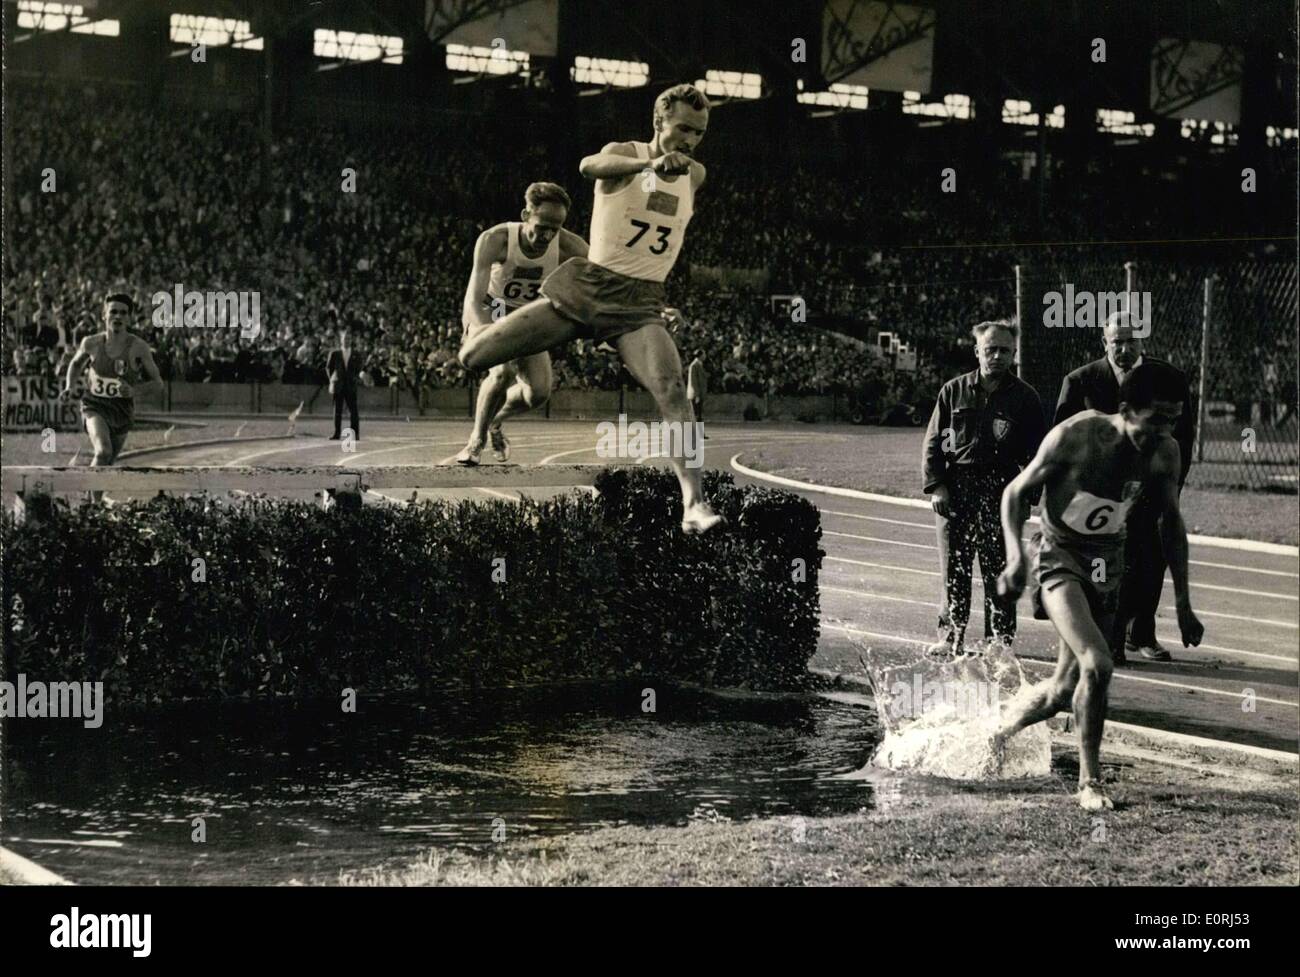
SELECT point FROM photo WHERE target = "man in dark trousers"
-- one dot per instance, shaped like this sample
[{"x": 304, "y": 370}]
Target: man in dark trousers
[
  {"x": 1096, "y": 387},
  {"x": 697, "y": 385},
  {"x": 344, "y": 365},
  {"x": 986, "y": 426}
]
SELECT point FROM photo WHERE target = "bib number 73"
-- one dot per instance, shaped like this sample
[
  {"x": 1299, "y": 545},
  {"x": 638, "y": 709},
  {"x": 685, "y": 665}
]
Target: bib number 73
[{"x": 663, "y": 232}]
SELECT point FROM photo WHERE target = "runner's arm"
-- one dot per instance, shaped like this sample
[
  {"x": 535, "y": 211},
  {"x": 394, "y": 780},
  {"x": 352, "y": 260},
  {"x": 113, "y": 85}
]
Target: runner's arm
[
  {"x": 77, "y": 365},
  {"x": 572, "y": 245},
  {"x": 489, "y": 248},
  {"x": 615, "y": 161},
  {"x": 146, "y": 360},
  {"x": 1052, "y": 458}
]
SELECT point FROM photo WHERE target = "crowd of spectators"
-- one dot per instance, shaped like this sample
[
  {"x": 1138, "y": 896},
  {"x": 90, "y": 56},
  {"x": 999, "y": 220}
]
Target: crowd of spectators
[{"x": 148, "y": 199}]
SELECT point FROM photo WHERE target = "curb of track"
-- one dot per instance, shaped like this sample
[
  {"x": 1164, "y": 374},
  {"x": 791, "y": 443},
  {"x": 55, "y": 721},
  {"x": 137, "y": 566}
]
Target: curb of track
[
  {"x": 1169, "y": 746},
  {"x": 136, "y": 452},
  {"x": 17, "y": 870},
  {"x": 1223, "y": 542}
]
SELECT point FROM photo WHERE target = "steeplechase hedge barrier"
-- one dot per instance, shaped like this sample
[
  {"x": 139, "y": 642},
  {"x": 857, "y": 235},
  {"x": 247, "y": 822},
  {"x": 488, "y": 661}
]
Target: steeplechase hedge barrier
[{"x": 200, "y": 597}]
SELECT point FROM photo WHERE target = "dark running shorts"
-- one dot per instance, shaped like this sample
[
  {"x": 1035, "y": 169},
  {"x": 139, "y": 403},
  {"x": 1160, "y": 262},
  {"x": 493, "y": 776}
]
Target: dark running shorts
[
  {"x": 1056, "y": 560},
  {"x": 603, "y": 303},
  {"x": 117, "y": 412}
]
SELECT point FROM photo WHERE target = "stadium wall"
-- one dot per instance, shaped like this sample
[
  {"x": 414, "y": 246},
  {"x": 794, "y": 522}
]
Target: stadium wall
[{"x": 272, "y": 399}]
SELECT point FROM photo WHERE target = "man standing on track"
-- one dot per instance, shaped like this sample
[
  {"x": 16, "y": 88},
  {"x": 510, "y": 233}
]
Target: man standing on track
[
  {"x": 644, "y": 199},
  {"x": 986, "y": 426}
]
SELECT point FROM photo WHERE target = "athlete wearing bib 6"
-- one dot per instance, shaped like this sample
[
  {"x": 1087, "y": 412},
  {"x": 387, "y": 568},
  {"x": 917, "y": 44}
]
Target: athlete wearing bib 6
[
  {"x": 1092, "y": 468},
  {"x": 114, "y": 361}
]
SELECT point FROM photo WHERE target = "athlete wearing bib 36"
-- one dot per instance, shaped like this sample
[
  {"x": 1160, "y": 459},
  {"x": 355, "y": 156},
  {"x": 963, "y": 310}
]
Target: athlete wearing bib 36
[
  {"x": 116, "y": 359},
  {"x": 1092, "y": 467},
  {"x": 645, "y": 196},
  {"x": 510, "y": 262}
]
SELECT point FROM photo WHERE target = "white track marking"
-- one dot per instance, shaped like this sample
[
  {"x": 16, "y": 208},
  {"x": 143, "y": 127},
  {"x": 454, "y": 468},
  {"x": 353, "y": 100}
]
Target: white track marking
[
  {"x": 878, "y": 539},
  {"x": 895, "y": 522},
  {"x": 1246, "y": 545},
  {"x": 1196, "y": 563},
  {"x": 976, "y": 581},
  {"x": 1034, "y": 661},
  {"x": 1240, "y": 569},
  {"x": 1237, "y": 590},
  {"x": 881, "y": 566},
  {"x": 977, "y": 612}
]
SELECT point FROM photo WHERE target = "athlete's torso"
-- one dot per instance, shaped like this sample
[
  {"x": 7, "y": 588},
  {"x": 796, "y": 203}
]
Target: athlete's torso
[
  {"x": 517, "y": 280},
  {"x": 638, "y": 231},
  {"x": 1092, "y": 499},
  {"x": 113, "y": 365}
]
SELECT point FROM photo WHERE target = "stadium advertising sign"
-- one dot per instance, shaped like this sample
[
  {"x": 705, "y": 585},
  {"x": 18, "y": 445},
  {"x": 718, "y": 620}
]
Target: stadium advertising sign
[
  {"x": 1196, "y": 80},
  {"x": 31, "y": 403},
  {"x": 881, "y": 45}
]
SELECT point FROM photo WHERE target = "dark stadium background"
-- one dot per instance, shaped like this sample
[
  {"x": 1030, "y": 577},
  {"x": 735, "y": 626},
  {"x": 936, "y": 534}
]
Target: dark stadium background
[{"x": 225, "y": 175}]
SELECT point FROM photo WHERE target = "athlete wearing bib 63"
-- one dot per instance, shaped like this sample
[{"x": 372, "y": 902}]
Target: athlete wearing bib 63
[
  {"x": 114, "y": 361},
  {"x": 511, "y": 261},
  {"x": 1092, "y": 468},
  {"x": 644, "y": 199}
]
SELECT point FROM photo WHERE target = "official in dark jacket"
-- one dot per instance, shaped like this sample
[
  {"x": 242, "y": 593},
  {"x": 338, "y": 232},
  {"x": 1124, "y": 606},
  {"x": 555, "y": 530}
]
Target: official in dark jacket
[
  {"x": 1096, "y": 387},
  {"x": 343, "y": 366},
  {"x": 985, "y": 427}
]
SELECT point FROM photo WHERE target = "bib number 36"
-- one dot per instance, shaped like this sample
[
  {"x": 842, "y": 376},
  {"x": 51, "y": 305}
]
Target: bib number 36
[{"x": 105, "y": 387}]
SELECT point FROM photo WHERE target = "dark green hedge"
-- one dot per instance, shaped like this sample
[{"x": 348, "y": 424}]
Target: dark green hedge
[{"x": 299, "y": 600}]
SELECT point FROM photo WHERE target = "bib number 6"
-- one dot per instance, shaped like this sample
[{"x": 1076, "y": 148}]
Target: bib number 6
[{"x": 1099, "y": 518}]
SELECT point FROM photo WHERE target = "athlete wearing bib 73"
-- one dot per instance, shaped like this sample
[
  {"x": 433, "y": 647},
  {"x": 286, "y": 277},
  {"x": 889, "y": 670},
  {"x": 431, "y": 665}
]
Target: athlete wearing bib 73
[{"x": 644, "y": 199}]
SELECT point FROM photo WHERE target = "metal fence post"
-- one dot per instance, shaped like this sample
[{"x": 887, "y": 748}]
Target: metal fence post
[{"x": 1206, "y": 309}]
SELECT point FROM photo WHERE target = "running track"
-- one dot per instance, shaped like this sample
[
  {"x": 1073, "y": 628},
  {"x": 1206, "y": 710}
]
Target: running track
[{"x": 879, "y": 581}]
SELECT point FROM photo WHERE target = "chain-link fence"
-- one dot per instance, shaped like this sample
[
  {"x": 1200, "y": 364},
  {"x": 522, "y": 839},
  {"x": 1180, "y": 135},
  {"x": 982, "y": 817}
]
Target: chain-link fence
[{"x": 1230, "y": 327}]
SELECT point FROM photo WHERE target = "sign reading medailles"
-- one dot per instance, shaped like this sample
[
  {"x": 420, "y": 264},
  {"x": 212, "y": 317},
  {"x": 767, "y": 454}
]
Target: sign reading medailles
[{"x": 31, "y": 403}]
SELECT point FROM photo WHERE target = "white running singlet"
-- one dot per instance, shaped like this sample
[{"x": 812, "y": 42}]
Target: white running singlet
[
  {"x": 638, "y": 231},
  {"x": 518, "y": 280}
]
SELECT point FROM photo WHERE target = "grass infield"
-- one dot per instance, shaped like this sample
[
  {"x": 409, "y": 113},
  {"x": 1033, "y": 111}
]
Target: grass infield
[{"x": 1171, "y": 826}]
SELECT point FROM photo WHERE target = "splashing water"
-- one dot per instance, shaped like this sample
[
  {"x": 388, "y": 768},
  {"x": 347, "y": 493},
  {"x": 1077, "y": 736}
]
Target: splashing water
[{"x": 940, "y": 714}]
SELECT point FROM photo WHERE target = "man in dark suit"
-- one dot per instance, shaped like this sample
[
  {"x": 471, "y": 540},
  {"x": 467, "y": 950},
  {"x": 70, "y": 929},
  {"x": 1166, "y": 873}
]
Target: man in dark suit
[
  {"x": 1096, "y": 387},
  {"x": 344, "y": 365}
]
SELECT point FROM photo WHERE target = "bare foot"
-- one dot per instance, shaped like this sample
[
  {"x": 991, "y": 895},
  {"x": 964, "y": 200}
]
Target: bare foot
[
  {"x": 1092, "y": 797},
  {"x": 699, "y": 518},
  {"x": 997, "y": 756}
]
